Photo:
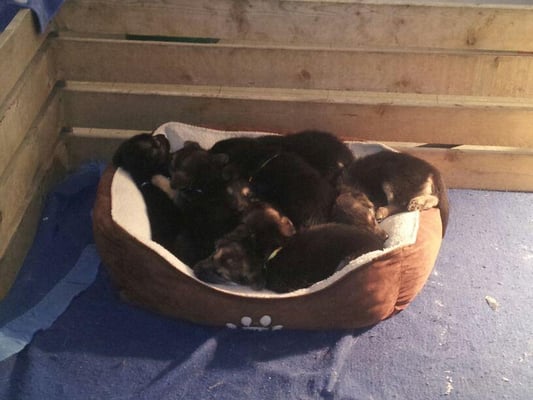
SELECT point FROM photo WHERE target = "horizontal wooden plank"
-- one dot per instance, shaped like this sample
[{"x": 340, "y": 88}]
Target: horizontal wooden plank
[
  {"x": 18, "y": 44},
  {"x": 346, "y": 23},
  {"x": 24, "y": 103},
  {"x": 465, "y": 167},
  {"x": 88, "y": 144},
  {"x": 366, "y": 115},
  {"x": 479, "y": 167},
  {"x": 438, "y": 72},
  {"x": 27, "y": 168}
]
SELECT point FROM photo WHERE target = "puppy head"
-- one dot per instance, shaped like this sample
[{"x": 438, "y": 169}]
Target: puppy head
[
  {"x": 240, "y": 196},
  {"x": 269, "y": 228},
  {"x": 234, "y": 260},
  {"x": 194, "y": 169},
  {"x": 355, "y": 208},
  {"x": 240, "y": 255},
  {"x": 143, "y": 156}
]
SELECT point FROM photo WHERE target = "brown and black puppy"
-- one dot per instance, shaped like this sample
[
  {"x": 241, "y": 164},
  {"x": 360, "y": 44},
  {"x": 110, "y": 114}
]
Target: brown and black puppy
[
  {"x": 353, "y": 207},
  {"x": 239, "y": 256},
  {"x": 200, "y": 193},
  {"x": 397, "y": 182},
  {"x": 314, "y": 254},
  {"x": 143, "y": 156},
  {"x": 249, "y": 255}
]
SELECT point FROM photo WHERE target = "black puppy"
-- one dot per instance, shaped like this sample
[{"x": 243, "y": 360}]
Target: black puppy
[
  {"x": 143, "y": 156},
  {"x": 397, "y": 182},
  {"x": 290, "y": 184},
  {"x": 321, "y": 150},
  {"x": 200, "y": 193},
  {"x": 315, "y": 254}
]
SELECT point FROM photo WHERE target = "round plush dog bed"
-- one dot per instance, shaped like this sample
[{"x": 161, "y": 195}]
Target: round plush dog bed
[{"x": 369, "y": 289}]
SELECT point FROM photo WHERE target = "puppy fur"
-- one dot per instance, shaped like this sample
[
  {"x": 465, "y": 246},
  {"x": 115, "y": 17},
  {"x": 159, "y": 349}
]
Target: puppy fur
[
  {"x": 209, "y": 210},
  {"x": 314, "y": 254},
  {"x": 143, "y": 156},
  {"x": 397, "y": 182},
  {"x": 321, "y": 150},
  {"x": 353, "y": 207},
  {"x": 239, "y": 255},
  {"x": 294, "y": 187}
]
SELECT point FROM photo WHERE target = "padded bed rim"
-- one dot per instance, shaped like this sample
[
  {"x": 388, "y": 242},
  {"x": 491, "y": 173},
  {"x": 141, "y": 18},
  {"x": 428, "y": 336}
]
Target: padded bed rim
[{"x": 146, "y": 279}]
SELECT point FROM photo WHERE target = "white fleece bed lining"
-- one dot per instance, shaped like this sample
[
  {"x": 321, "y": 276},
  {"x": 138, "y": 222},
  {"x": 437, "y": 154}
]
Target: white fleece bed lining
[{"x": 128, "y": 210}]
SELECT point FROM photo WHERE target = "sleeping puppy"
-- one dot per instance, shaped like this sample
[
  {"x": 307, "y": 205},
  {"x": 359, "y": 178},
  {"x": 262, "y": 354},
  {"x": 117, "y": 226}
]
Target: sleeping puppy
[
  {"x": 200, "y": 193},
  {"x": 321, "y": 150},
  {"x": 397, "y": 182},
  {"x": 249, "y": 255},
  {"x": 239, "y": 255},
  {"x": 281, "y": 178},
  {"x": 290, "y": 184},
  {"x": 315, "y": 254},
  {"x": 353, "y": 207},
  {"x": 143, "y": 156}
]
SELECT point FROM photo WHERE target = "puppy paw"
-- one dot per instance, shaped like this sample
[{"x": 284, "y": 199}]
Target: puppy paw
[
  {"x": 163, "y": 183},
  {"x": 424, "y": 202},
  {"x": 382, "y": 213}
]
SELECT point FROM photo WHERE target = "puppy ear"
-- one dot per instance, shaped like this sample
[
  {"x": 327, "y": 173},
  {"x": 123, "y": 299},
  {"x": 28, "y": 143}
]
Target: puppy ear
[
  {"x": 192, "y": 144},
  {"x": 286, "y": 227}
]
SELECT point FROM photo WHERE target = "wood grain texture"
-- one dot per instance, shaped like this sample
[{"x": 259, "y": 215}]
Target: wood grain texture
[
  {"x": 18, "y": 44},
  {"x": 20, "y": 109},
  {"x": 28, "y": 166},
  {"x": 470, "y": 73},
  {"x": 367, "y": 115},
  {"x": 337, "y": 23}
]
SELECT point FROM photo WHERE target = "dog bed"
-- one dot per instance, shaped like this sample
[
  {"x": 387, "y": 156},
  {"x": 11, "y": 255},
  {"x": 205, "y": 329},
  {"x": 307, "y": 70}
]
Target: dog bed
[{"x": 369, "y": 289}]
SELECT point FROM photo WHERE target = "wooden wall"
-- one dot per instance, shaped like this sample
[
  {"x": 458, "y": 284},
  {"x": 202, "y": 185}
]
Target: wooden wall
[
  {"x": 449, "y": 83},
  {"x": 32, "y": 156},
  {"x": 406, "y": 74}
]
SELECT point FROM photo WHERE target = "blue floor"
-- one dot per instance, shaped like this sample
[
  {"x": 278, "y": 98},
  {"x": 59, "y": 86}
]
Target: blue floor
[{"x": 468, "y": 335}]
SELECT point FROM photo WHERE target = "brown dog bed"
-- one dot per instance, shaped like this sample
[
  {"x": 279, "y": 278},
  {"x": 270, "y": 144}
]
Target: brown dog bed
[{"x": 371, "y": 288}]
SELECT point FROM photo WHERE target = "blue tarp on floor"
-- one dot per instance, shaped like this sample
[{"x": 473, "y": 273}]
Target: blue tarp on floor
[{"x": 449, "y": 343}]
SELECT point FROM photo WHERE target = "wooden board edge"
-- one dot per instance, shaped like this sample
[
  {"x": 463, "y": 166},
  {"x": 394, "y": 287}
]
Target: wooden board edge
[
  {"x": 463, "y": 167},
  {"x": 29, "y": 164},
  {"x": 373, "y": 116},
  {"x": 13, "y": 257},
  {"x": 24, "y": 103},
  {"x": 478, "y": 167},
  {"x": 19, "y": 42},
  {"x": 348, "y": 23}
]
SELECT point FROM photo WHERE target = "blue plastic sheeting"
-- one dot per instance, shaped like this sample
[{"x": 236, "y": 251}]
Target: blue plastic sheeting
[
  {"x": 452, "y": 342},
  {"x": 44, "y": 10},
  {"x": 16, "y": 334}
]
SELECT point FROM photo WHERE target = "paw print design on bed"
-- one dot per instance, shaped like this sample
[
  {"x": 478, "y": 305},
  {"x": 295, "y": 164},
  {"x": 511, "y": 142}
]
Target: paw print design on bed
[{"x": 369, "y": 289}]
